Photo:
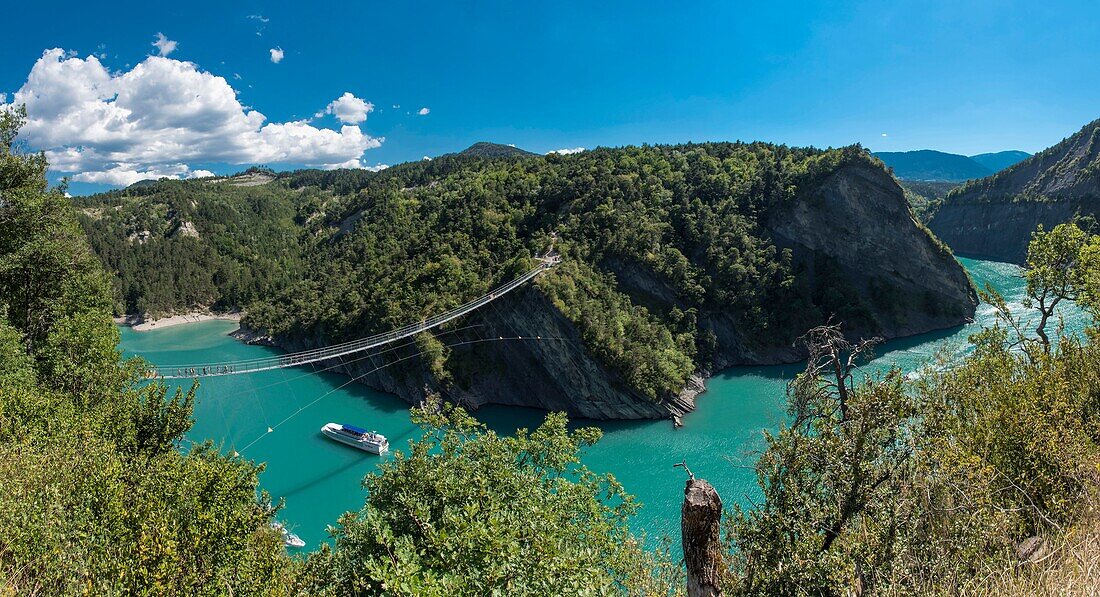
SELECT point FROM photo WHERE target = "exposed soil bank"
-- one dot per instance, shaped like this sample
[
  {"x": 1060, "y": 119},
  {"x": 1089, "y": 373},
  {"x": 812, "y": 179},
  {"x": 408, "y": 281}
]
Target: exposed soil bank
[{"x": 142, "y": 324}]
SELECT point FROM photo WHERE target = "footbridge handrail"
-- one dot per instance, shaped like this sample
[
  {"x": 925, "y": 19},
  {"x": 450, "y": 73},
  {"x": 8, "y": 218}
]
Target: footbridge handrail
[{"x": 192, "y": 370}]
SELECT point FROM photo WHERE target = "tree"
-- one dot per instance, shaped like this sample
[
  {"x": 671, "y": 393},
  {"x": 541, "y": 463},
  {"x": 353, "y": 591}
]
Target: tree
[
  {"x": 829, "y": 479},
  {"x": 1053, "y": 274},
  {"x": 467, "y": 512},
  {"x": 96, "y": 496}
]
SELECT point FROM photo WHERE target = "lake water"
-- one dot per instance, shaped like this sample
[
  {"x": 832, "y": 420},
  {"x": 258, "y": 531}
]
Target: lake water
[{"x": 320, "y": 479}]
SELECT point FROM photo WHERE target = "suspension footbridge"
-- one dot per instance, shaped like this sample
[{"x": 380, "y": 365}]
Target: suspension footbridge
[{"x": 305, "y": 357}]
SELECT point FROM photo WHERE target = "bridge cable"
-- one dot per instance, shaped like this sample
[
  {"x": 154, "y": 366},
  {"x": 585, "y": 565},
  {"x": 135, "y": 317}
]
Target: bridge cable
[{"x": 358, "y": 377}]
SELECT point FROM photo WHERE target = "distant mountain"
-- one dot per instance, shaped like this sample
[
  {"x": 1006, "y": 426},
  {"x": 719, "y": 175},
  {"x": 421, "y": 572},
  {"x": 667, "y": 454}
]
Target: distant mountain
[
  {"x": 995, "y": 216},
  {"x": 1000, "y": 160},
  {"x": 484, "y": 149},
  {"x": 928, "y": 164}
]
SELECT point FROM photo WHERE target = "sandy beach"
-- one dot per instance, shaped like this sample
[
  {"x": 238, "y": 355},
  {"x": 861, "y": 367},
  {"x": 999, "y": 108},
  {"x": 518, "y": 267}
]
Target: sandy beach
[{"x": 140, "y": 324}]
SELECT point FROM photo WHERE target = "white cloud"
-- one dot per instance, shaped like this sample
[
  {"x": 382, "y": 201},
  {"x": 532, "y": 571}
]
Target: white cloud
[
  {"x": 164, "y": 45},
  {"x": 357, "y": 165},
  {"x": 567, "y": 151},
  {"x": 884, "y": 134},
  {"x": 128, "y": 174},
  {"x": 352, "y": 163},
  {"x": 423, "y": 111},
  {"x": 276, "y": 55},
  {"x": 349, "y": 109},
  {"x": 154, "y": 119},
  {"x": 260, "y": 21}
]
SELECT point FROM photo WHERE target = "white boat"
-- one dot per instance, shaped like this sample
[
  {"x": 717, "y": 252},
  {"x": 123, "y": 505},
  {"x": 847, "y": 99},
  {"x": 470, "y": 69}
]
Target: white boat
[
  {"x": 369, "y": 441},
  {"x": 290, "y": 539}
]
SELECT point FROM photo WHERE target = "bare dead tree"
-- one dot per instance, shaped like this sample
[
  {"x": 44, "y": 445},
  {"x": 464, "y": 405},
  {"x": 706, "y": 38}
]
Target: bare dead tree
[
  {"x": 700, "y": 517},
  {"x": 830, "y": 367}
]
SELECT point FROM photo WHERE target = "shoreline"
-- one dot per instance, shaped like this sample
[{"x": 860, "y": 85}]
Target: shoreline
[{"x": 139, "y": 324}]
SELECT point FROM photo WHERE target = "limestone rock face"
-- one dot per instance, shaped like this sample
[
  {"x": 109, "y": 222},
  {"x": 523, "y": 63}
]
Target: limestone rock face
[
  {"x": 1000, "y": 231},
  {"x": 860, "y": 220},
  {"x": 995, "y": 216}
]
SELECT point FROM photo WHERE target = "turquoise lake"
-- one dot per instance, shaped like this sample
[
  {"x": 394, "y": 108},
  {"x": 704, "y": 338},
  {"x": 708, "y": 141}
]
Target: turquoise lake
[{"x": 320, "y": 479}]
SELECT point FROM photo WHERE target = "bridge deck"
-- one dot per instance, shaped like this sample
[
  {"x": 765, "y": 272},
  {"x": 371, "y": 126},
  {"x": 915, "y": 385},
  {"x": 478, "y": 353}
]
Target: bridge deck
[{"x": 305, "y": 357}]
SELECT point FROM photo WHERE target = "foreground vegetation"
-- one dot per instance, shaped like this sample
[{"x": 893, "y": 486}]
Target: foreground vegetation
[
  {"x": 982, "y": 473},
  {"x": 97, "y": 497},
  {"x": 887, "y": 485}
]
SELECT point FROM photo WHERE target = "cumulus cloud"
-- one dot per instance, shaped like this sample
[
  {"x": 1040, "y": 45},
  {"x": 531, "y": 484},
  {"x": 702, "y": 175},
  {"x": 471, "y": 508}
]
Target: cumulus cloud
[
  {"x": 276, "y": 55},
  {"x": 567, "y": 151},
  {"x": 164, "y": 45},
  {"x": 349, "y": 109},
  {"x": 357, "y": 165},
  {"x": 128, "y": 174},
  {"x": 423, "y": 111},
  {"x": 154, "y": 119}
]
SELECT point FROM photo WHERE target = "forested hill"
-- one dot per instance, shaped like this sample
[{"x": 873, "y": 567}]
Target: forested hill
[
  {"x": 677, "y": 260},
  {"x": 484, "y": 149},
  {"x": 1000, "y": 160},
  {"x": 994, "y": 216}
]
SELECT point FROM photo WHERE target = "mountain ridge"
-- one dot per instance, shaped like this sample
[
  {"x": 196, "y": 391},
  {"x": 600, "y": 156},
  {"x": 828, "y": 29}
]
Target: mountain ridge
[
  {"x": 929, "y": 165},
  {"x": 1000, "y": 160}
]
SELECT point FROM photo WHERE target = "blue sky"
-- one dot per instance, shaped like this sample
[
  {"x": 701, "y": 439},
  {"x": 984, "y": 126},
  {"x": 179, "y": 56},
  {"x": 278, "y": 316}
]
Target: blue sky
[{"x": 959, "y": 76}]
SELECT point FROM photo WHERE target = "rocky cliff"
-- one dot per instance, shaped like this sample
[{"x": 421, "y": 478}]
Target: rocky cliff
[
  {"x": 859, "y": 220},
  {"x": 995, "y": 216}
]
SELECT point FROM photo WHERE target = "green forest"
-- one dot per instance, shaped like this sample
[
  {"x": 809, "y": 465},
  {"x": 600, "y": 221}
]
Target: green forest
[
  {"x": 342, "y": 254},
  {"x": 977, "y": 478}
]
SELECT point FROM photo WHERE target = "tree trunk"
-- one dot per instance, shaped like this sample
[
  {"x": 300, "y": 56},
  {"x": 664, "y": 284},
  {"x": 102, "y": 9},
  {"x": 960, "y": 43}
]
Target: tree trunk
[{"x": 699, "y": 520}]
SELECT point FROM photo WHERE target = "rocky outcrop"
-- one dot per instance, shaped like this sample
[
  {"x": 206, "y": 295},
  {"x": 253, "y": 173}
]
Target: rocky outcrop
[
  {"x": 1001, "y": 230},
  {"x": 186, "y": 228},
  {"x": 860, "y": 221},
  {"x": 995, "y": 216}
]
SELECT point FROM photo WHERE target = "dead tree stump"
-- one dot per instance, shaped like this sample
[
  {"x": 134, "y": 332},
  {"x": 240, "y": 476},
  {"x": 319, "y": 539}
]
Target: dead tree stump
[{"x": 699, "y": 523}]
